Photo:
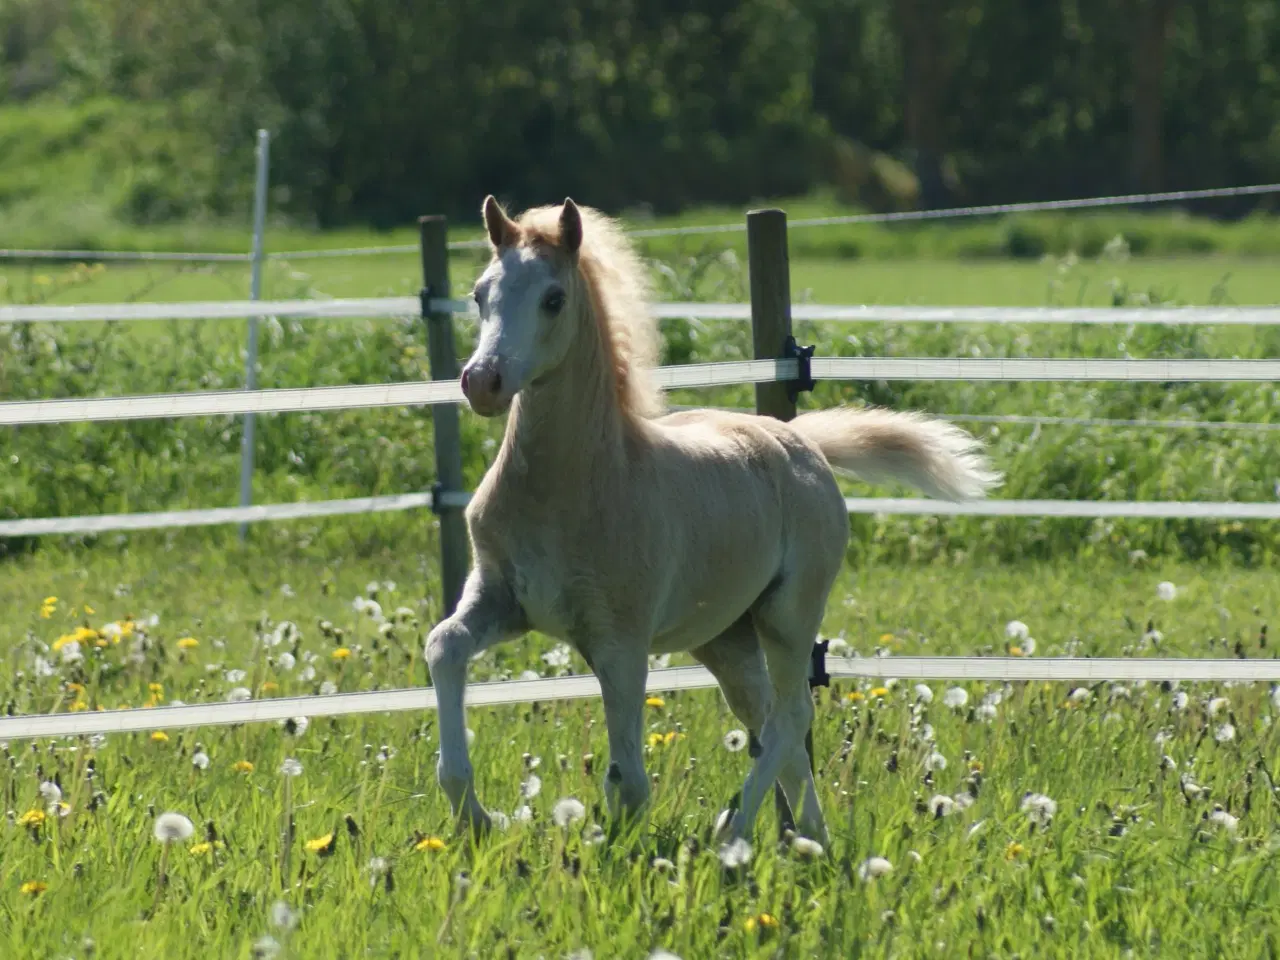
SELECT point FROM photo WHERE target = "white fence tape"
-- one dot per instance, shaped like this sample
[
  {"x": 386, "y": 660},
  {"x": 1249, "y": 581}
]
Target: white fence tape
[
  {"x": 1066, "y": 669},
  {"x": 214, "y": 310},
  {"x": 886, "y": 506},
  {"x": 1139, "y": 509},
  {"x": 1258, "y": 316},
  {"x": 1021, "y": 370},
  {"x": 686, "y": 376}
]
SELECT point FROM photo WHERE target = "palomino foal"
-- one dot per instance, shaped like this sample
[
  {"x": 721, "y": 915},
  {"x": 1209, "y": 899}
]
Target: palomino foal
[{"x": 625, "y": 533}]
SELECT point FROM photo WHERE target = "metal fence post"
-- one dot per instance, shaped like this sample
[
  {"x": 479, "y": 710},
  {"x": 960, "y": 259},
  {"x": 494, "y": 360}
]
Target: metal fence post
[
  {"x": 433, "y": 233},
  {"x": 769, "y": 274},
  {"x": 255, "y": 293}
]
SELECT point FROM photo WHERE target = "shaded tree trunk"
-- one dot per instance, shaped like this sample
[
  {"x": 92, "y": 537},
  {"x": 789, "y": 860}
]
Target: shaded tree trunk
[
  {"x": 926, "y": 72},
  {"x": 1151, "y": 22}
]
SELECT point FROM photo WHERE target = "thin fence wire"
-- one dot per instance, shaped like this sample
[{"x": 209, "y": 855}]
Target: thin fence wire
[
  {"x": 581, "y": 686},
  {"x": 997, "y": 209}
]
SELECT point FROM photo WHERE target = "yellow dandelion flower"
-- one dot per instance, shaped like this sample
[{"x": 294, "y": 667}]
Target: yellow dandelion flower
[
  {"x": 1015, "y": 651},
  {"x": 156, "y": 688},
  {"x": 75, "y": 687},
  {"x": 32, "y": 819},
  {"x": 434, "y": 844},
  {"x": 78, "y": 705},
  {"x": 854, "y": 696},
  {"x": 975, "y": 766},
  {"x": 322, "y": 845},
  {"x": 242, "y": 766},
  {"x": 159, "y": 736},
  {"x": 270, "y": 686},
  {"x": 89, "y": 610},
  {"x": 62, "y": 807},
  {"x": 33, "y": 888},
  {"x": 762, "y": 922},
  {"x": 879, "y": 692},
  {"x": 1014, "y": 850},
  {"x": 188, "y": 643},
  {"x": 655, "y": 702},
  {"x": 205, "y": 847},
  {"x": 49, "y": 601},
  {"x": 341, "y": 653},
  {"x": 63, "y": 640},
  {"x": 85, "y": 634},
  {"x": 886, "y": 638}
]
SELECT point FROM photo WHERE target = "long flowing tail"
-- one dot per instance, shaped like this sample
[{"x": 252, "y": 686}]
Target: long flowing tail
[{"x": 878, "y": 445}]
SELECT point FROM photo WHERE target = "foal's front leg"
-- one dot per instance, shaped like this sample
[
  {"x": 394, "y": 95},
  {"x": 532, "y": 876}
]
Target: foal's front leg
[
  {"x": 487, "y": 614},
  {"x": 622, "y": 670}
]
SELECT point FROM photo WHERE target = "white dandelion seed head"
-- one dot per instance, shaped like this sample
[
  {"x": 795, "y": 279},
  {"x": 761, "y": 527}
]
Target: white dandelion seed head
[
  {"x": 660, "y": 954},
  {"x": 874, "y": 867},
  {"x": 1080, "y": 695},
  {"x": 529, "y": 675},
  {"x": 378, "y": 866},
  {"x": 1180, "y": 700},
  {"x": 558, "y": 656},
  {"x": 935, "y": 761},
  {"x": 50, "y": 792},
  {"x": 200, "y": 760},
  {"x": 941, "y": 805},
  {"x": 286, "y": 661},
  {"x": 735, "y": 740},
  {"x": 500, "y": 820},
  {"x": 838, "y": 647},
  {"x": 1225, "y": 733},
  {"x": 71, "y": 653},
  {"x": 328, "y": 688},
  {"x": 307, "y": 674},
  {"x": 986, "y": 712},
  {"x": 1166, "y": 590},
  {"x": 914, "y": 856},
  {"x": 806, "y": 849},
  {"x": 662, "y": 865},
  {"x": 1216, "y": 705},
  {"x": 1016, "y": 630},
  {"x": 291, "y": 767},
  {"x": 594, "y": 835},
  {"x": 1039, "y": 808},
  {"x": 924, "y": 693},
  {"x": 955, "y": 697},
  {"x": 1028, "y": 646},
  {"x": 172, "y": 828},
  {"x": 239, "y": 695},
  {"x": 963, "y": 800},
  {"x": 531, "y": 787},
  {"x": 736, "y": 853},
  {"x": 234, "y": 676},
  {"x": 283, "y": 916},
  {"x": 522, "y": 814},
  {"x": 1226, "y": 821},
  {"x": 567, "y": 810},
  {"x": 265, "y": 947}
]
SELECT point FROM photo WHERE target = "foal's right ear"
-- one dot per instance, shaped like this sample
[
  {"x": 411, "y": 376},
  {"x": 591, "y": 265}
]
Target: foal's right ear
[{"x": 503, "y": 231}]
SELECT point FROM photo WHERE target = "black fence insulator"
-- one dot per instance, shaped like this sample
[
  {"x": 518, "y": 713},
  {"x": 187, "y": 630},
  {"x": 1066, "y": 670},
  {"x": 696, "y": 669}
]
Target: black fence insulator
[
  {"x": 818, "y": 676},
  {"x": 803, "y": 382}
]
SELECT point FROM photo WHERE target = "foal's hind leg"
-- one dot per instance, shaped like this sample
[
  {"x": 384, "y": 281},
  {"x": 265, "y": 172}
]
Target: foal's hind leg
[
  {"x": 787, "y": 620},
  {"x": 736, "y": 660}
]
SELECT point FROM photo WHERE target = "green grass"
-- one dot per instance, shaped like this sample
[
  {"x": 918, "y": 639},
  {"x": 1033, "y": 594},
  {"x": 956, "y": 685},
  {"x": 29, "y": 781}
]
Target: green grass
[{"x": 1128, "y": 862}]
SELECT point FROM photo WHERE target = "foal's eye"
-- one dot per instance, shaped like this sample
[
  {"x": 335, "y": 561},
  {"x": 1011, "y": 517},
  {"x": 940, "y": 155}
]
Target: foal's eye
[{"x": 553, "y": 302}]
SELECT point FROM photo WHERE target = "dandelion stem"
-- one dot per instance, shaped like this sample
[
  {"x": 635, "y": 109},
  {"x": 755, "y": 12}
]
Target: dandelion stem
[
  {"x": 287, "y": 832},
  {"x": 164, "y": 862}
]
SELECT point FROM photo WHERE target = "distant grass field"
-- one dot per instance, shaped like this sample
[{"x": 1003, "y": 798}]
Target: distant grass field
[{"x": 1161, "y": 838}]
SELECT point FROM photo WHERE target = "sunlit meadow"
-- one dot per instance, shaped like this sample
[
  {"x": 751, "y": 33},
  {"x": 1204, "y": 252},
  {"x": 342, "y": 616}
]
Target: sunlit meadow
[{"x": 1032, "y": 819}]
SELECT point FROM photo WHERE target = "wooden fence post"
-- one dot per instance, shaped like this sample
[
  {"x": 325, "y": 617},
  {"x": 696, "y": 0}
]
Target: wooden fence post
[
  {"x": 769, "y": 274},
  {"x": 433, "y": 233}
]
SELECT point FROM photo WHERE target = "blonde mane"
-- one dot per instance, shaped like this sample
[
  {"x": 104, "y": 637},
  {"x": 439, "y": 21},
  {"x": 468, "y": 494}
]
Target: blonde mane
[{"x": 618, "y": 285}]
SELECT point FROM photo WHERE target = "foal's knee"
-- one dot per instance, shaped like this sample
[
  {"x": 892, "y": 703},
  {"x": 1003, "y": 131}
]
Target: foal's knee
[{"x": 448, "y": 649}]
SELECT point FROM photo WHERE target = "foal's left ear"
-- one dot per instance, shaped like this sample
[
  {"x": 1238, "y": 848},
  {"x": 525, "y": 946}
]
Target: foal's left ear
[{"x": 570, "y": 227}]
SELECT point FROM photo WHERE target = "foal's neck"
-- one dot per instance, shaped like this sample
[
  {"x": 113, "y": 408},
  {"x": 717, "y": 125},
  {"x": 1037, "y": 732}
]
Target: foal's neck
[{"x": 570, "y": 425}]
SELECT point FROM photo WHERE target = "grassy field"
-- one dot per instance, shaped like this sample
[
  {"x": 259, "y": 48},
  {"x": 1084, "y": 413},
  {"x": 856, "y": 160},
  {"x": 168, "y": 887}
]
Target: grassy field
[{"x": 1166, "y": 846}]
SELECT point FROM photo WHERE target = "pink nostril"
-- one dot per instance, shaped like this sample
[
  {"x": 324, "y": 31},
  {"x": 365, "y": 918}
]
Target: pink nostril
[{"x": 466, "y": 377}]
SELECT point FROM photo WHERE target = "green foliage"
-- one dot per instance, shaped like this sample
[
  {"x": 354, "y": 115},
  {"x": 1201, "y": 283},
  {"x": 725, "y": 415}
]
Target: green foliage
[{"x": 383, "y": 110}]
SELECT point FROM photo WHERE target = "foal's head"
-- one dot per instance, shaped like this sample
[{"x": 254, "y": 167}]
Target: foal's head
[{"x": 556, "y": 274}]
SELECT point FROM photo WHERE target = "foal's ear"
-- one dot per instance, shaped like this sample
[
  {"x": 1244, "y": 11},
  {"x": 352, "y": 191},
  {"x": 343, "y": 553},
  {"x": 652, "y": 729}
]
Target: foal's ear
[
  {"x": 570, "y": 227},
  {"x": 503, "y": 232}
]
